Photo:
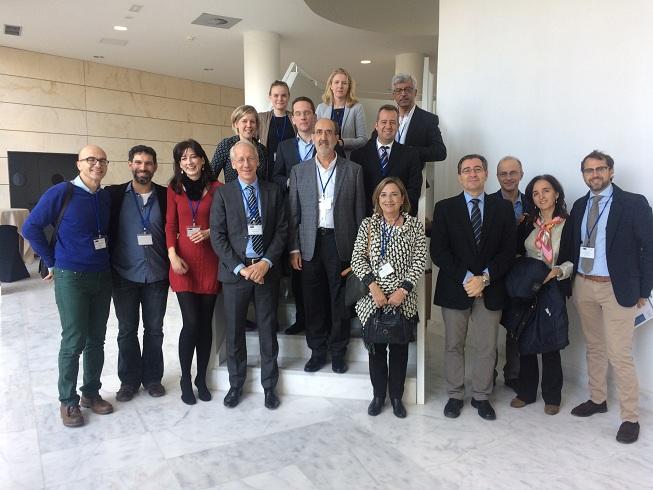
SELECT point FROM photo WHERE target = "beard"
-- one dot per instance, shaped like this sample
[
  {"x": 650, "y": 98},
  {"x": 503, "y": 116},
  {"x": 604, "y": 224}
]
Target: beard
[{"x": 143, "y": 178}]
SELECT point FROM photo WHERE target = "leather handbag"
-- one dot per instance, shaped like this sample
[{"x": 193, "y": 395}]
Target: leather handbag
[
  {"x": 354, "y": 287},
  {"x": 388, "y": 326},
  {"x": 43, "y": 269}
]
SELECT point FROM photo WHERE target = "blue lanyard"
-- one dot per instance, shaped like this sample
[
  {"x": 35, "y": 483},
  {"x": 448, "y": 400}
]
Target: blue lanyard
[
  {"x": 324, "y": 186},
  {"x": 386, "y": 236},
  {"x": 145, "y": 219},
  {"x": 309, "y": 151},
  {"x": 250, "y": 211},
  {"x": 283, "y": 129},
  {"x": 587, "y": 230},
  {"x": 193, "y": 210}
]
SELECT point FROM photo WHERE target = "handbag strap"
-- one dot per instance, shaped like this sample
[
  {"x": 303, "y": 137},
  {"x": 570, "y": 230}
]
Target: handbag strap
[
  {"x": 369, "y": 238},
  {"x": 66, "y": 200}
]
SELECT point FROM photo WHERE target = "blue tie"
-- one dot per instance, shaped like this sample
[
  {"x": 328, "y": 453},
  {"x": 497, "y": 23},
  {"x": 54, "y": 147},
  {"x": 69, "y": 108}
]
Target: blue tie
[
  {"x": 477, "y": 222},
  {"x": 384, "y": 160},
  {"x": 255, "y": 219}
]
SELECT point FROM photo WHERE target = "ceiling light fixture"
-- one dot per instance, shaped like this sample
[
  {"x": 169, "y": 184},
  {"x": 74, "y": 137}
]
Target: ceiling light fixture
[
  {"x": 98, "y": 56},
  {"x": 366, "y": 62},
  {"x": 208, "y": 69},
  {"x": 119, "y": 28},
  {"x": 135, "y": 8}
]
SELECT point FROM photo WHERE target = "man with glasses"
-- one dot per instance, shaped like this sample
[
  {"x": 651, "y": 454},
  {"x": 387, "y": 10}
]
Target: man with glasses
[
  {"x": 79, "y": 264},
  {"x": 473, "y": 244},
  {"x": 613, "y": 258}
]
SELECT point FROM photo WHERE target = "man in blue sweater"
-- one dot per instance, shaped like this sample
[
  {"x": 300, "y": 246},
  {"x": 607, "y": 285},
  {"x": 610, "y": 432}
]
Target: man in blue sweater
[{"x": 79, "y": 265}]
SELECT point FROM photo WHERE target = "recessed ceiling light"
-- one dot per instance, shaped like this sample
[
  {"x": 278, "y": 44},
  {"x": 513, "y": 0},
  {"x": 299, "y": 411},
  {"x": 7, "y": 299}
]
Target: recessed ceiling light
[
  {"x": 208, "y": 69},
  {"x": 366, "y": 62},
  {"x": 98, "y": 56},
  {"x": 135, "y": 8},
  {"x": 119, "y": 28}
]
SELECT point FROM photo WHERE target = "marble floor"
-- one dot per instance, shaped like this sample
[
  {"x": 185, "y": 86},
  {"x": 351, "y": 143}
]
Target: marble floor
[{"x": 308, "y": 443}]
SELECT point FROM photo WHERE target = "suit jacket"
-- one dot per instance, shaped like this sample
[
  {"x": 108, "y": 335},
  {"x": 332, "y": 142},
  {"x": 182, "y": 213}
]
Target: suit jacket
[
  {"x": 629, "y": 247},
  {"x": 229, "y": 227},
  {"x": 403, "y": 163},
  {"x": 264, "y": 119},
  {"x": 527, "y": 205},
  {"x": 354, "y": 128},
  {"x": 117, "y": 193},
  {"x": 348, "y": 207},
  {"x": 454, "y": 250}
]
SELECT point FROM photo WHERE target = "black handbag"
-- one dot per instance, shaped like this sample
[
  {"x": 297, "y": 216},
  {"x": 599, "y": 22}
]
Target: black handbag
[
  {"x": 43, "y": 269},
  {"x": 388, "y": 326}
]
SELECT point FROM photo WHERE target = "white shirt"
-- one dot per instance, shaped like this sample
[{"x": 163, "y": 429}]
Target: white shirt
[
  {"x": 379, "y": 145},
  {"x": 404, "y": 122},
  {"x": 326, "y": 191}
]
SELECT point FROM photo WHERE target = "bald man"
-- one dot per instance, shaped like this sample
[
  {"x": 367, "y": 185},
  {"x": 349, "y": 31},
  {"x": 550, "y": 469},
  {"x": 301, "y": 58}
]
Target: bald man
[{"x": 78, "y": 261}]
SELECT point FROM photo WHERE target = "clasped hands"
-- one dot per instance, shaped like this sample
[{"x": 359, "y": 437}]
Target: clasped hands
[
  {"x": 255, "y": 272},
  {"x": 474, "y": 286},
  {"x": 380, "y": 299}
]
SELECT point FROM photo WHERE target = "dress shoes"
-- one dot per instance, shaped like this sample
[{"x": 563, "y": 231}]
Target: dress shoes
[
  {"x": 125, "y": 393},
  {"x": 628, "y": 432},
  {"x": 485, "y": 410},
  {"x": 315, "y": 363},
  {"x": 96, "y": 404},
  {"x": 71, "y": 415},
  {"x": 338, "y": 365},
  {"x": 589, "y": 408},
  {"x": 517, "y": 403},
  {"x": 452, "y": 408},
  {"x": 271, "y": 400},
  {"x": 550, "y": 409},
  {"x": 155, "y": 390},
  {"x": 294, "y": 329},
  {"x": 376, "y": 405},
  {"x": 232, "y": 399},
  {"x": 203, "y": 392},
  {"x": 513, "y": 384},
  {"x": 187, "y": 395},
  {"x": 398, "y": 408}
]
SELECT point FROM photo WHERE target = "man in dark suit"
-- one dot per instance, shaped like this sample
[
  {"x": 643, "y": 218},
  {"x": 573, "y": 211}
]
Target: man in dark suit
[
  {"x": 326, "y": 199},
  {"x": 139, "y": 263},
  {"x": 384, "y": 157},
  {"x": 473, "y": 244},
  {"x": 248, "y": 233},
  {"x": 612, "y": 250}
]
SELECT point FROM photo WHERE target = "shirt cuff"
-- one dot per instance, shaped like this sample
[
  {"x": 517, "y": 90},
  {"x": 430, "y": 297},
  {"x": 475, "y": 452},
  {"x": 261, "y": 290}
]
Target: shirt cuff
[
  {"x": 268, "y": 261},
  {"x": 238, "y": 268},
  {"x": 487, "y": 271},
  {"x": 296, "y": 251},
  {"x": 467, "y": 276}
]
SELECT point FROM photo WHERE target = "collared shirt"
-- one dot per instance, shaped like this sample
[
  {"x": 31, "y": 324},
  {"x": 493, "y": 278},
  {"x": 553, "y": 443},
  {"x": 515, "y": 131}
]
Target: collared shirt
[
  {"x": 305, "y": 149},
  {"x": 518, "y": 205},
  {"x": 134, "y": 262},
  {"x": 80, "y": 183},
  {"x": 249, "y": 250},
  {"x": 379, "y": 145},
  {"x": 481, "y": 207},
  {"x": 600, "y": 267},
  {"x": 404, "y": 122},
  {"x": 326, "y": 174}
]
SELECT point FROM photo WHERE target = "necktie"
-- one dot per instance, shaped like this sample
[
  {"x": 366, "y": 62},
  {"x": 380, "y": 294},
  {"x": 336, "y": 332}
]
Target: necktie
[
  {"x": 254, "y": 218},
  {"x": 384, "y": 160},
  {"x": 590, "y": 240},
  {"x": 477, "y": 222}
]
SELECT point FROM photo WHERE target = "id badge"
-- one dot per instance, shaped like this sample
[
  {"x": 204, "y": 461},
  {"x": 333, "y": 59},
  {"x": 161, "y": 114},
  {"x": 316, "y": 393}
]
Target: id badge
[
  {"x": 587, "y": 252},
  {"x": 254, "y": 229},
  {"x": 191, "y": 230},
  {"x": 100, "y": 242},
  {"x": 325, "y": 203},
  {"x": 144, "y": 239},
  {"x": 385, "y": 270}
]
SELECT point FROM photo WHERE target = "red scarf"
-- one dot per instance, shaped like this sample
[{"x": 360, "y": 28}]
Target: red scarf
[{"x": 543, "y": 238}]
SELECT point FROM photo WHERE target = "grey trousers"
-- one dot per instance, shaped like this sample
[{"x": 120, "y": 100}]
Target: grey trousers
[{"x": 482, "y": 325}]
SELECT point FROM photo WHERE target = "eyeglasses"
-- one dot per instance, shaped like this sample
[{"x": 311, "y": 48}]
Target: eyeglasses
[
  {"x": 512, "y": 175},
  {"x": 405, "y": 90},
  {"x": 597, "y": 170},
  {"x": 469, "y": 170},
  {"x": 92, "y": 161}
]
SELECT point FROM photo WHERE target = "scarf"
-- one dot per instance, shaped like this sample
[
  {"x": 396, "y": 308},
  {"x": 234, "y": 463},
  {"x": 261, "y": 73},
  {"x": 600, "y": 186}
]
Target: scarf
[
  {"x": 543, "y": 238},
  {"x": 194, "y": 188}
]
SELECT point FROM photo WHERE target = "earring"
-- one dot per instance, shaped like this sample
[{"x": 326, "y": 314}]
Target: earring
[{"x": 202, "y": 168}]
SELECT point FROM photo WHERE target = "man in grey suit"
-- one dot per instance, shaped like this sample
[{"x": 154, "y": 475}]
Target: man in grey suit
[
  {"x": 327, "y": 205},
  {"x": 248, "y": 233}
]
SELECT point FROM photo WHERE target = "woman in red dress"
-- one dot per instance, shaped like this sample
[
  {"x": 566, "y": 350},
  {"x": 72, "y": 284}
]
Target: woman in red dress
[{"x": 193, "y": 264}]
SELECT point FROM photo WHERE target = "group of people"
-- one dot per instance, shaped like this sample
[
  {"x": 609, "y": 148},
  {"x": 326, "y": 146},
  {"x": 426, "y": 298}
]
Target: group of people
[{"x": 307, "y": 193}]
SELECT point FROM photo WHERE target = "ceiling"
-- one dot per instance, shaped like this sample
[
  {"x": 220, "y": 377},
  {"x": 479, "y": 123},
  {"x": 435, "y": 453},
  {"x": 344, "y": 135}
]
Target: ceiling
[{"x": 159, "y": 35}]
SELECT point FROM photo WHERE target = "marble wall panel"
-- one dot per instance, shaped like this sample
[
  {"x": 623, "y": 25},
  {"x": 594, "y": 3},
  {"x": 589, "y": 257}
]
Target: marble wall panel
[
  {"x": 5, "y": 201},
  {"x": 4, "y": 171},
  {"x": 117, "y": 173},
  {"x": 20, "y": 117},
  {"x": 30, "y": 91},
  {"x": 40, "y": 66},
  {"x": 117, "y": 149},
  {"x": 230, "y": 96},
  {"x": 43, "y": 142}
]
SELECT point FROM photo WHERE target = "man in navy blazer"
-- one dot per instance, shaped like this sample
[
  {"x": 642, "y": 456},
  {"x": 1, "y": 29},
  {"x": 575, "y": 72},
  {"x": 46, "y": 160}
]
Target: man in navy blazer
[
  {"x": 612, "y": 250},
  {"x": 384, "y": 157}
]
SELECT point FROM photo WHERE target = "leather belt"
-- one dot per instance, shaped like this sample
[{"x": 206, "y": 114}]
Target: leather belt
[
  {"x": 325, "y": 231},
  {"x": 249, "y": 262},
  {"x": 595, "y": 278}
]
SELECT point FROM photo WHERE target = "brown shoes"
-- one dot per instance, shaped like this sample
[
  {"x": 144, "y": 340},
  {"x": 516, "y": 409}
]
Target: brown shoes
[
  {"x": 156, "y": 390},
  {"x": 551, "y": 409},
  {"x": 517, "y": 403},
  {"x": 96, "y": 404},
  {"x": 71, "y": 415},
  {"x": 125, "y": 393}
]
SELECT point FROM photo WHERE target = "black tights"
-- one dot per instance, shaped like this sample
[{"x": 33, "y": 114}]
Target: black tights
[{"x": 197, "y": 332}]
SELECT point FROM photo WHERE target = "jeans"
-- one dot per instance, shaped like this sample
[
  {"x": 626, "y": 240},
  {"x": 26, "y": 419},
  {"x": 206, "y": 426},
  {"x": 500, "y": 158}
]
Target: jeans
[{"x": 135, "y": 368}]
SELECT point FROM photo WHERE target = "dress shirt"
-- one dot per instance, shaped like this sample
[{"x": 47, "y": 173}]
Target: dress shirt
[
  {"x": 379, "y": 145},
  {"x": 249, "y": 250},
  {"x": 481, "y": 207},
  {"x": 518, "y": 205},
  {"x": 326, "y": 215},
  {"x": 600, "y": 267},
  {"x": 80, "y": 183},
  {"x": 404, "y": 122},
  {"x": 305, "y": 149}
]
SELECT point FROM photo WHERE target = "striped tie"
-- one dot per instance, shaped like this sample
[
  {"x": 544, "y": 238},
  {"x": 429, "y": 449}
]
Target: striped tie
[
  {"x": 384, "y": 160},
  {"x": 477, "y": 222},
  {"x": 255, "y": 219}
]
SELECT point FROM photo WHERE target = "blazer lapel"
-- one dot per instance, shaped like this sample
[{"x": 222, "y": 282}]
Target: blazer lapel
[
  {"x": 616, "y": 208},
  {"x": 263, "y": 201},
  {"x": 340, "y": 176},
  {"x": 489, "y": 211},
  {"x": 464, "y": 209},
  {"x": 344, "y": 118}
]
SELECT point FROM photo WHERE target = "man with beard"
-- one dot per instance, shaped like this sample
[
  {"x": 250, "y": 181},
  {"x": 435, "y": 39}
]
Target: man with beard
[{"x": 139, "y": 261}]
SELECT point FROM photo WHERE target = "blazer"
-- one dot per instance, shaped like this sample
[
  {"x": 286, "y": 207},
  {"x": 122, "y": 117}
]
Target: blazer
[
  {"x": 264, "y": 119},
  {"x": 629, "y": 237},
  {"x": 403, "y": 163},
  {"x": 229, "y": 227},
  {"x": 454, "y": 250},
  {"x": 117, "y": 194},
  {"x": 527, "y": 205},
  {"x": 354, "y": 128},
  {"x": 348, "y": 207}
]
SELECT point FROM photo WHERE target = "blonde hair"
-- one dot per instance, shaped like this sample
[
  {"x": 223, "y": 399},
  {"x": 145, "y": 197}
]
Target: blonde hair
[
  {"x": 239, "y": 112},
  {"x": 327, "y": 96},
  {"x": 405, "y": 207}
]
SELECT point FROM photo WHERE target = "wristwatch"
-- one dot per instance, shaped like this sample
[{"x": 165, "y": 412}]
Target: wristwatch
[{"x": 486, "y": 279}]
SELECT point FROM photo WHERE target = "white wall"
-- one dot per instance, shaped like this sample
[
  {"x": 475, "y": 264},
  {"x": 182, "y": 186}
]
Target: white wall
[{"x": 549, "y": 82}]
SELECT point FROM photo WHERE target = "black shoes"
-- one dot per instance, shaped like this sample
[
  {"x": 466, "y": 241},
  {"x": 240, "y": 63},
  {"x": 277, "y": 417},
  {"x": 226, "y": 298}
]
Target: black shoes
[
  {"x": 155, "y": 390},
  {"x": 452, "y": 408},
  {"x": 513, "y": 384},
  {"x": 271, "y": 400},
  {"x": 125, "y": 393},
  {"x": 376, "y": 405},
  {"x": 203, "y": 392},
  {"x": 187, "y": 395},
  {"x": 628, "y": 432},
  {"x": 398, "y": 408},
  {"x": 589, "y": 408},
  {"x": 484, "y": 408},
  {"x": 294, "y": 329},
  {"x": 232, "y": 399},
  {"x": 315, "y": 363},
  {"x": 338, "y": 365}
]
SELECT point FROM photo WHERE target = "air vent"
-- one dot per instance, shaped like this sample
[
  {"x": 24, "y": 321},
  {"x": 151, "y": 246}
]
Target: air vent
[
  {"x": 219, "y": 21},
  {"x": 114, "y": 42},
  {"x": 13, "y": 30}
]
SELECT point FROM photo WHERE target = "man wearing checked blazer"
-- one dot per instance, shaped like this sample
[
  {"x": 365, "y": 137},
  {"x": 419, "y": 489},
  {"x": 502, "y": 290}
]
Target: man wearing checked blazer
[
  {"x": 384, "y": 157},
  {"x": 473, "y": 244},
  {"x": 248, "y": 233},
  {"x": 612, "y": 250},
  {"x": 326, "y": 201}
]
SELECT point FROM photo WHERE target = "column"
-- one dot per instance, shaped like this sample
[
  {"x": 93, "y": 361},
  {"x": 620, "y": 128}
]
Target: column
[{"x": 261, "y": 61}]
